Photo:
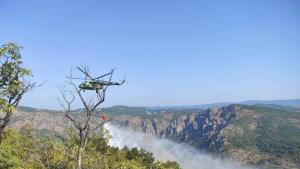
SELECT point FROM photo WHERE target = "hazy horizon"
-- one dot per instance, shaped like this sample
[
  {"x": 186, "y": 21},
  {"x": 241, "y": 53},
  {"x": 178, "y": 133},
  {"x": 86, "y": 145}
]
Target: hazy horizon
[{"x": 178, "y": 106}]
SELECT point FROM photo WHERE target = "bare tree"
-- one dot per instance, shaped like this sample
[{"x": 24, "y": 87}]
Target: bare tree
[{"x": 82, "y": 121}]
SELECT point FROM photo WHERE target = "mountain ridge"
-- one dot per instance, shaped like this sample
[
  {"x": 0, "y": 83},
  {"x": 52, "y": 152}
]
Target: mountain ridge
[{"x": 280, "y": 102}]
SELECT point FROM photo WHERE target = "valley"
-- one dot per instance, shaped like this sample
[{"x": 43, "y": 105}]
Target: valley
[{"x": 263, "y": 135}]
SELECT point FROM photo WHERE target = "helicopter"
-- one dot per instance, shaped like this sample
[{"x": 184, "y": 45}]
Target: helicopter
[{"x": 96, "y": 84}]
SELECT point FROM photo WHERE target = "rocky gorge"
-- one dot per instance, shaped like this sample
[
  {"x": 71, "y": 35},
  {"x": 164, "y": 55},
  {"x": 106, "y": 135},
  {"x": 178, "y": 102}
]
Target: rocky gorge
[
  {"x": 200, "y": 129},
  {"x": 242, "y": 132}
]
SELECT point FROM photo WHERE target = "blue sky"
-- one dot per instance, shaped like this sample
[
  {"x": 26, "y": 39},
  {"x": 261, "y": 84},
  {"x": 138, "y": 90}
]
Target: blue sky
[{"x": 172, "y": 52}]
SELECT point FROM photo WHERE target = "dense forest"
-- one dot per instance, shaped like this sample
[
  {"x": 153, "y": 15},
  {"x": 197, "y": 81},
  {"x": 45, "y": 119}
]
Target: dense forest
[{"x": 25, "y": 149}]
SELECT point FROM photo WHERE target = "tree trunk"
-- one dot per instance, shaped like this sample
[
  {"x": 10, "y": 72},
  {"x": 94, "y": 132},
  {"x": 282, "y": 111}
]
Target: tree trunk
[
  {"x": 79, "y": 156},
  {"x": 3, "y": 125}
]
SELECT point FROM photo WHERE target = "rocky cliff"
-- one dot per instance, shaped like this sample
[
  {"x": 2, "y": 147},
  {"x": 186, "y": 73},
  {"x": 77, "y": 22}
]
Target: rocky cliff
[{"x": 200, "y": 129}]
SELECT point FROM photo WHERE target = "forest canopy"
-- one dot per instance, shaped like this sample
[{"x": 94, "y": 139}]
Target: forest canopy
[{"x": 25, "y": 149}]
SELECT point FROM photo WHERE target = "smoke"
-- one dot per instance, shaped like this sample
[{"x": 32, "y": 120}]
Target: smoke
[{"x": 164, "y": 149}]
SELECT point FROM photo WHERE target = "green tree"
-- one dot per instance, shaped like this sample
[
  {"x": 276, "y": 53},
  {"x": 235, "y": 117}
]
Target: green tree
[
  {"x": 11, "y": 150},
  {"x": 25, "y": 149},
  {"x": 139, "y": 155},
  {"x": 166, "y": 165},
  {"x": 13, "y": 82}
]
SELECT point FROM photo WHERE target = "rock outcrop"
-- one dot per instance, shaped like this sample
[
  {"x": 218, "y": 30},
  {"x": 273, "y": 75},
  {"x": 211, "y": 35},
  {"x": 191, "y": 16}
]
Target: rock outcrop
[{"x": 200, "y": 129}]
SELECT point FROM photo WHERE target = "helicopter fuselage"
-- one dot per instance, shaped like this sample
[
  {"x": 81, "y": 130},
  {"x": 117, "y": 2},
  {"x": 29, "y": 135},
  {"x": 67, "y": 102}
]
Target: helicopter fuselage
[{"x": 92, "y": 85}]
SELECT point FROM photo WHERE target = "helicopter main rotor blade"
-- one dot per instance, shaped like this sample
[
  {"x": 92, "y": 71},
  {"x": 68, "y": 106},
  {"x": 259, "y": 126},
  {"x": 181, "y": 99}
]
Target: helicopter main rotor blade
[
  {"x": 75, "y": 78},
  {"x": 103, "y": 75},
  {"x": 84, "y": 72}
]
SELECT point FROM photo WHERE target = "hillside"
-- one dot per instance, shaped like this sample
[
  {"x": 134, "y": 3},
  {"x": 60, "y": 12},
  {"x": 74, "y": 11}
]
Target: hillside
[
  {"x": 295, "y": 103},
  {"x": 264, "y": 135}
]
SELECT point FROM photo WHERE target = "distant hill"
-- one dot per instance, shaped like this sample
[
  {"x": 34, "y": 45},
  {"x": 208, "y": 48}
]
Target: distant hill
[
  {"x": 293, "y": 104},
  {"x": 289, "y": 102},
  {"x": 31, "y": 109}
]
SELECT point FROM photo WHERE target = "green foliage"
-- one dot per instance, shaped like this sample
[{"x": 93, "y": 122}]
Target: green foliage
[
  {"x": 166, "y": 165},
  {"x": 25, "y": 149},
  {"x": 245, "y": 140},
  {"x": 12, "y": 76},
  {"x": 6, "y": 107},
  {"x": 277, "y": 137},
  {"x": 11, "y": 150},
  {"x": 268, "y": 129},
  {"x": 139, "y": 155}
]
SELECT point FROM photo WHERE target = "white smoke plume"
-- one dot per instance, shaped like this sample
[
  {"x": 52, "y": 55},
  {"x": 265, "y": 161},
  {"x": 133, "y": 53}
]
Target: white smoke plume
[{"x": 164, "y": 149}]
